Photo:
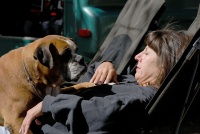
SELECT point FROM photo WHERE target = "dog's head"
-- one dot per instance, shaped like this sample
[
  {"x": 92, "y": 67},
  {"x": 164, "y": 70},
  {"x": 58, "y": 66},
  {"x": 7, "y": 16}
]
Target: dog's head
[{"x": 57, "y": 59}]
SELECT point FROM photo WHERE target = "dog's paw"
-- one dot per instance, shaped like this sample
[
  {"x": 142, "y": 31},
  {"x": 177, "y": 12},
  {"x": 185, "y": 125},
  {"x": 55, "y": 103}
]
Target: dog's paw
[
  {"x": 83, "y": 85},
  {"x": 76, "y": 88}
]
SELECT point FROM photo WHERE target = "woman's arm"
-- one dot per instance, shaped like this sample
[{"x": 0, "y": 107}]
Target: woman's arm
[
  {"x": 73, "y": 111},
  {"x": 31, "y": 115}
]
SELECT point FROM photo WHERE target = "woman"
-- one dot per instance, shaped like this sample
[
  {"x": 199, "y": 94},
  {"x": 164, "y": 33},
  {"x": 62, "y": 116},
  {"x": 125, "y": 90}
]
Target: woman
[{"x": 113, "y": 108}]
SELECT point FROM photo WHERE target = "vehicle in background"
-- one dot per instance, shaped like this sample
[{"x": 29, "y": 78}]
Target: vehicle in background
[{"x": 87, "y": 22}]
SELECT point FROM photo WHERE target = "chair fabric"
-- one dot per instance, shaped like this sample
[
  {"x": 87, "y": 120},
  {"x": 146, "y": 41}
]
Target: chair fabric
[
  {"x": 195, "y": 24},
  {"x": 133, "y": 21}
]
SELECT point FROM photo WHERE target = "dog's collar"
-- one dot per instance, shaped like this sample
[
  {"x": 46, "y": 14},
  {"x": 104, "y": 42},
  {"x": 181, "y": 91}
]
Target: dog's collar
[{"x": 30, "y": 80}]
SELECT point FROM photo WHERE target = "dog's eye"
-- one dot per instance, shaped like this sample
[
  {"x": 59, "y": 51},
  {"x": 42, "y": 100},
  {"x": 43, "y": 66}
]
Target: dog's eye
[
  {"x": 71, "y": 39},
  {"x": 66, "y": 55}
]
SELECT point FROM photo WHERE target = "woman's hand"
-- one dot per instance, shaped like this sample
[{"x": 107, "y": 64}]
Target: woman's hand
[
  {"x": 104, "y": 74},
  {"x": 32, "y": 113}
]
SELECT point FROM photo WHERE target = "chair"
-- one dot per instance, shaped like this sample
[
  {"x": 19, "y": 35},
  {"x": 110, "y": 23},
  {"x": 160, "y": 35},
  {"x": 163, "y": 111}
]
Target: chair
[
  {"x": 180, "y": 87},
  {"x": 135, "y": 19}
]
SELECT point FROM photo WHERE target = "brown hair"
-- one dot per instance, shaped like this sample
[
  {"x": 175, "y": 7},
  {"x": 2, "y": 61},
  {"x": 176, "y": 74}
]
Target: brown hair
[{"x": 169, "y": 46}]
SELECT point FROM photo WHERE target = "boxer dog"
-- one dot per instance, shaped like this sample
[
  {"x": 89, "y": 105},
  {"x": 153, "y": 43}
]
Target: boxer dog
[{"x": 33, "y": 71}]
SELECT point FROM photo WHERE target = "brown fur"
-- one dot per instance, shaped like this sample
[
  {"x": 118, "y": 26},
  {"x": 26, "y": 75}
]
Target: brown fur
[{"x": 17, "y": 95}]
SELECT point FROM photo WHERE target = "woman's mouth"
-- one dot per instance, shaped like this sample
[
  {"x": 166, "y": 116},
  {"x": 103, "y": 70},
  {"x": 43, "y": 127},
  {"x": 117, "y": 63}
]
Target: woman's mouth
[{"x": 137, "y": 68}]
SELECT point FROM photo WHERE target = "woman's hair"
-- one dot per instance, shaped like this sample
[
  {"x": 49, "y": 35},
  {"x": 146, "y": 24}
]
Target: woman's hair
[{"x": 169, "y": 46}]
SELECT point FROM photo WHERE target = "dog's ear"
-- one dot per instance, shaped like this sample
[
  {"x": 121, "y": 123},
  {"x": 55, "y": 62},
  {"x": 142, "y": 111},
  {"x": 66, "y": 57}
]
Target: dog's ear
[{"x": 46, "y": 54}]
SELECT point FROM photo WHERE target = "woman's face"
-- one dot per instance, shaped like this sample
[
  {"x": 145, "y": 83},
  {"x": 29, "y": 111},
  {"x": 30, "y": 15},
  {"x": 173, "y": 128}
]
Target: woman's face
[{"x": 147, "y": 69}]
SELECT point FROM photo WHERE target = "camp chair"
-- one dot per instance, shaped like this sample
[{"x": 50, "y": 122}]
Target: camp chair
[
  {"x": 179, "y": 89},
  {"x": 135, "y": 19}
]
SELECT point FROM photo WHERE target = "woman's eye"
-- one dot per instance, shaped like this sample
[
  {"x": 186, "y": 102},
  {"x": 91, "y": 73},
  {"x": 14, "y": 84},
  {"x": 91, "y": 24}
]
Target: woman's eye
[{"x": 146, "y": 53}]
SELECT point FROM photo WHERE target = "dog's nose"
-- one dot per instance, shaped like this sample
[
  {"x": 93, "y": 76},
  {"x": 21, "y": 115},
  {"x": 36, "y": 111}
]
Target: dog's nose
[{"x": 79, "y": 58}]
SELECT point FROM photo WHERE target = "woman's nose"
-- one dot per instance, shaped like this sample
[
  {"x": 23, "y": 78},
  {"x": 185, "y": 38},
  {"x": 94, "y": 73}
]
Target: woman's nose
[{"x": 138, "y": 56}]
